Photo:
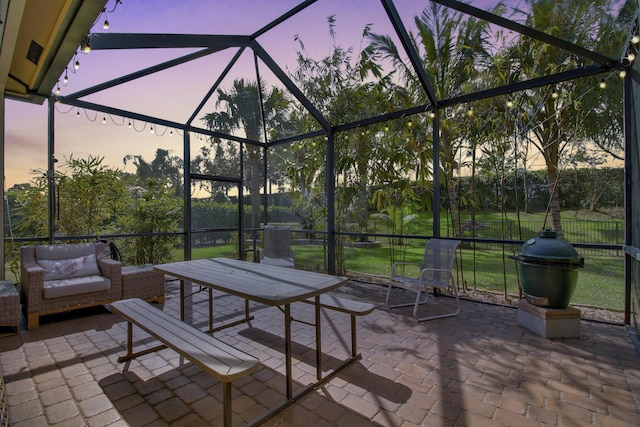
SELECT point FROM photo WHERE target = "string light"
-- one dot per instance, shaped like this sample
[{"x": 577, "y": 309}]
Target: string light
[
  {"x": 85, "y": 46},
  {"x": 635, "y": 39},
  {"x": 105, "y": 25},
  {"x": 151, "y": 129},
  {"x": 78, "y": 114},
  {"x": 509, "y": 104},
  {"x": 409, "y": 124},
  {"x": 104, "y": 120},
  {"x": 554, "y": 93},
  {"x": 386, "y": 128},
  {"x": 603, "y": 84},
  {"x": 622, "y": 74},
  {"x": 631, "y": 57}
]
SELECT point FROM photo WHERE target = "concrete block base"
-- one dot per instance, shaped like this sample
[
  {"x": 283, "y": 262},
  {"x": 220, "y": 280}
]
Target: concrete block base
[{"x": 549, "y": 322}]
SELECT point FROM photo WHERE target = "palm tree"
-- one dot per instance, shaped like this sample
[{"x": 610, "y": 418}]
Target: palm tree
[
  {"x": 343, "y": 86},
  {"x": 558, "y": 115},
  {"x": 244, "y": 109},
  {"x": 451, "y": 49}
]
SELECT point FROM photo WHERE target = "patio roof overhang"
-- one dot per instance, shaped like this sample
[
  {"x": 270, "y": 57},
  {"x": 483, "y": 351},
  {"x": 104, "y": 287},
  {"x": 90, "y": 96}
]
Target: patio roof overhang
[{"x": 38, "y": 39}]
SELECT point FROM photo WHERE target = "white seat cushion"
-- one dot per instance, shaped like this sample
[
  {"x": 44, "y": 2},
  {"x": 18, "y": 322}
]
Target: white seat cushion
[
  {"x": 75, "y": 286},
  {"x": 279, "y": 262}
]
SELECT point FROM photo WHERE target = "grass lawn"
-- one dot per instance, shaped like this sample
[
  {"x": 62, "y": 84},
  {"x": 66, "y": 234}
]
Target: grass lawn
[{"x": 600, "y": 282}]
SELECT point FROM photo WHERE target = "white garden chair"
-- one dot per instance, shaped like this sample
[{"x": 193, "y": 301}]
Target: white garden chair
[{"x": 435, "y": 271}]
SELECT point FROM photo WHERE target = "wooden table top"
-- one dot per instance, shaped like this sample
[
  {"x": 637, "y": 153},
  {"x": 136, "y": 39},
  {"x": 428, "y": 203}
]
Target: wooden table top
[{"x": 262, "y": 283}]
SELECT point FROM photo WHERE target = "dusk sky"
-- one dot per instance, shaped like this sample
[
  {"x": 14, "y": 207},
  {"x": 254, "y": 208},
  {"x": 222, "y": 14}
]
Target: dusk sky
[{"x": 174, "y": 94}]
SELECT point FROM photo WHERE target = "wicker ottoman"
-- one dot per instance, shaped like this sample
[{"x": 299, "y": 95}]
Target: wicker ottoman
[
  {"x": 9, "y": 304},
  {"x": 142, "y": 281}
]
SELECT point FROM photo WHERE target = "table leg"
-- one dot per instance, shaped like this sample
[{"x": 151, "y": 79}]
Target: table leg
[
  {"x": 287, "y": 349},
  {"x": 210, "y": 309},
  {"x": 247, "y": 314},
  {"x": 182, "y": 300},
  {"x": 318, "y": 340}
]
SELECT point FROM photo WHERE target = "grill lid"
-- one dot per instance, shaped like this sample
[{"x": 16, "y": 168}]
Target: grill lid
[{"x": 547, "y": 249}]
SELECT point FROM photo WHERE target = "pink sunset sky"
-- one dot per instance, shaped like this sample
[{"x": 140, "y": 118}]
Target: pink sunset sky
[{"x": 175, "y": 93}]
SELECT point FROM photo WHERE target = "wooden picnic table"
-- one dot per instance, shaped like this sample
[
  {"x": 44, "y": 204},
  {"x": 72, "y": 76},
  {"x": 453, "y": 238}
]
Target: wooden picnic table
[{"x": 269, "y": 285}]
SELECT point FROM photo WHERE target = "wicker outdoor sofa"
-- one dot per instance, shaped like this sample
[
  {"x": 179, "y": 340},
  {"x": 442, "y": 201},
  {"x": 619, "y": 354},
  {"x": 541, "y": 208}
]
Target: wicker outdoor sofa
[{"x": 58, "y": 278}]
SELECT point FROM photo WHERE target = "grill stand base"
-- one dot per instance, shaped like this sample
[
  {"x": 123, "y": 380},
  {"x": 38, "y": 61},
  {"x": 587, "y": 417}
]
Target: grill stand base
[{"x": 549, "y": 322}]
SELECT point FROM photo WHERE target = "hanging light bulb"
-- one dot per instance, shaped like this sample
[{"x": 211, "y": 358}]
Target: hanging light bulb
[
  {"x": 470, "y": 112},
  {"x": 170, "y": 133},
  {"x": 129, "y": 124},
  {"x": 58, "y": 89},
  {"x": 66, "y": 78},
  {"x": 432, "y": 114},
  {"x": 104, "y": 120},
  {"x": 631, "y": 57},
  {"x": 105, "y": 25},
  {"x": 76, "y": 65},
  {"x": 554, "y": 93},
  {"x": 409, "y": 124},
  {"x": 78, "y": 114},
  {"x": 602, "y": 84},
  {"x": 386, "y": 128},
  {"x": 151, "y": 130},
  {"x": 510, "y": 104},
  {"x": 622, "y": 74},
  {"x": 635, "y": 39},
  {"x": 85, "y": 45}
]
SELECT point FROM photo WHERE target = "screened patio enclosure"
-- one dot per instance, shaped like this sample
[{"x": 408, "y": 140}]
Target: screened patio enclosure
[{"x": 337, "y": 134}]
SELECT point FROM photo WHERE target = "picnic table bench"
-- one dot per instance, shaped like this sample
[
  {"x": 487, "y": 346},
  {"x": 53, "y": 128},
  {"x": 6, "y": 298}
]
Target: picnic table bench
[
  {"x": 222, "y": 361},
  {"x": 348, "y": 306}
]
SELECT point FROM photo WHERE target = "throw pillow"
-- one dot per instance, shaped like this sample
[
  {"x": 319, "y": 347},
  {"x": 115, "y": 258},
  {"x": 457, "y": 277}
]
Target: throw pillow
[{"x": 68, "y": 268}]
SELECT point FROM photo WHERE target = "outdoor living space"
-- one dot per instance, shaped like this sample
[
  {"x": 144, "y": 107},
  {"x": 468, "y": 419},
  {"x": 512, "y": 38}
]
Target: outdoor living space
[
  {"x": 163, "y": 165},
  {"x": 480, "y": 368}
]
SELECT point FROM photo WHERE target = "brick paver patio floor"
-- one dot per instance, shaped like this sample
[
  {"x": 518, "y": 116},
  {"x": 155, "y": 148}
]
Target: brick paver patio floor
[{"x": 478, "y": 369}]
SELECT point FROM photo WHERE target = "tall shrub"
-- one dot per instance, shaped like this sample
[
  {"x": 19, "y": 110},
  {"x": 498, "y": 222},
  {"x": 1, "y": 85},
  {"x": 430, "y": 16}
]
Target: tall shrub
[{"x": 151, "y": 210}]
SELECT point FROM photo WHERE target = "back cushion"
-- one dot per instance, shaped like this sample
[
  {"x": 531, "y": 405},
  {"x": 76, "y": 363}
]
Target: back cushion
[
  {"x": 277, "y": 241},
  {"x": 67, "y": 261}
]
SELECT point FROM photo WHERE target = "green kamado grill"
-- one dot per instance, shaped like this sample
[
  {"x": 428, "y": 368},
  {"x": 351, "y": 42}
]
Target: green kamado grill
[{"x": 548, "y": 270}]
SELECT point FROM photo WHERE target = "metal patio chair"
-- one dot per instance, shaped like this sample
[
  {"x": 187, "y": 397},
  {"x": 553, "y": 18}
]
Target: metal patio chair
[
  {"x": 277, "y": 247},
  {"x": 436, "y": 271}
]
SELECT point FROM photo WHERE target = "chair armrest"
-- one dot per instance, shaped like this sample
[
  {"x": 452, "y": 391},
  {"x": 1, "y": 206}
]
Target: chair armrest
[
  {"x": 111, "y": 269},
  {"x": 395, "y": 264},
  {"x": 30, "y": 269},
  {"x": 32, "y": 273},
  {"x": 31, "y": 281}
]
